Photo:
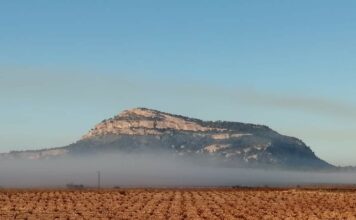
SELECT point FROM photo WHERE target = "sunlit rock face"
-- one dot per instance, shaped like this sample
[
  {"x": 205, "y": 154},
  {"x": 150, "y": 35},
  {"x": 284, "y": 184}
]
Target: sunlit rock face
[
  {"x": 142, "y": 130},
  {"x": 141, "y": 121}
]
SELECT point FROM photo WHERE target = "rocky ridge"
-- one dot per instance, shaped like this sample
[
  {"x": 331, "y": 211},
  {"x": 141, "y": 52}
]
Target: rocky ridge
[{"x": 141, "y": 130}]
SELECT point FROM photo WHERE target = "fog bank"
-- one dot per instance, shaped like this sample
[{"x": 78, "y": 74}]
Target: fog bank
[{"x": 150, "y": 171}]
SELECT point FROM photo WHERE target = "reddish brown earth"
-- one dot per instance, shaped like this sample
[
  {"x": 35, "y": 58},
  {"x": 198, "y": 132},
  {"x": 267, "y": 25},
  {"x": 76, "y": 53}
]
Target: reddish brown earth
[{"x": 178, "y": 204}]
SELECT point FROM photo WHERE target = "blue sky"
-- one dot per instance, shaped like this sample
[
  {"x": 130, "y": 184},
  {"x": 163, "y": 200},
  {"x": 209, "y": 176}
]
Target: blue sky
[{"x": 66, "y": 65}]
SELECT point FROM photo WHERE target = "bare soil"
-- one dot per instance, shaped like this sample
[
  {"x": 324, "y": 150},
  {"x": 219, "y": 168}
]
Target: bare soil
[{"x": 179, "y": 204}]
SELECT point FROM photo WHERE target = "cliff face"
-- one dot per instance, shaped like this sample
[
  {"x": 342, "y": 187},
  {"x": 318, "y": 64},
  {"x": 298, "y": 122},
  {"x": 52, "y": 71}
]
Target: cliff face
[
  {"x": 142, "y": 121},
  {"x": 226, "y": 143}
]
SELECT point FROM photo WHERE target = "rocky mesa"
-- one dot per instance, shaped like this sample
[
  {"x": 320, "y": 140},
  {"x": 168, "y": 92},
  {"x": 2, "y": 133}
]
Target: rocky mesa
[{"x": 142, "y": 130}]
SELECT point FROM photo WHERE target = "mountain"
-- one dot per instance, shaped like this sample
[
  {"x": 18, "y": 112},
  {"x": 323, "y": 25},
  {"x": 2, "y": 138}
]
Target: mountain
[{"x": 143, "y": 130}]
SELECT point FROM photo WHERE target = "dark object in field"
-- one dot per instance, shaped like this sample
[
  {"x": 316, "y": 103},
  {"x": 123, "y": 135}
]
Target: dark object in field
[{"x": 75, "y": 186}]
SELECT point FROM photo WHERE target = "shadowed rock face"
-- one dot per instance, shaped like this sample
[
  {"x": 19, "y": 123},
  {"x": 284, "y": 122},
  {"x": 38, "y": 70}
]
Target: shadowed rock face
[{"x": 142, "y": 130}]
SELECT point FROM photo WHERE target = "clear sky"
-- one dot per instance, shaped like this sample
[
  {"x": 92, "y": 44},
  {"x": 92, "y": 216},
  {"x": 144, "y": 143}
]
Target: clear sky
[{"x": 66, "y": 65}]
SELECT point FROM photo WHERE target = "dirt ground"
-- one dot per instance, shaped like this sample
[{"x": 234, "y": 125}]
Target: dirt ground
[{"x": 178, "y": 204}]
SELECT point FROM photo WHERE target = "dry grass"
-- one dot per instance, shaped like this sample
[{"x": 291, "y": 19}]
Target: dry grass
[{"x": 178, "y": 204}]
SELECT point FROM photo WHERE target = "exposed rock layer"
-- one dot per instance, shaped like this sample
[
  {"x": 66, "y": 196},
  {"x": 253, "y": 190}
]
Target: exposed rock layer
[
  {"x": 141, "y": 121},
  {"x": 228, "y": 143}
]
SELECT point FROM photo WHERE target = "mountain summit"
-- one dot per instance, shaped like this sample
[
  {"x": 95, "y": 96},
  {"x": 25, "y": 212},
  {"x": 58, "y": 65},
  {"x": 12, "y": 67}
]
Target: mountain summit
[
  {"x": 142, "y": 121},
  {"x": 142, "y": 130}
]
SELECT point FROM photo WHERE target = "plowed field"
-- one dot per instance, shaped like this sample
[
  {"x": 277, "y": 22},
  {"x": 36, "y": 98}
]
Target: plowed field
[{"x": 177, "y": 204}]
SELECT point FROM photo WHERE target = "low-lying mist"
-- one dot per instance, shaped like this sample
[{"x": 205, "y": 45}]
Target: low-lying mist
[{"x": 146, "y": 170}]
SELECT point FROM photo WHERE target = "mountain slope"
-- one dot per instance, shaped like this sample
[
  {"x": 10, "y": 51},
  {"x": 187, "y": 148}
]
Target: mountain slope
[{"x": 142, "y": 130}]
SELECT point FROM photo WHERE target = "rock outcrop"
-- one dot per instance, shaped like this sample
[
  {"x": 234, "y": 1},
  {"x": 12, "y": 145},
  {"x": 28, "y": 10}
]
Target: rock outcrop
[
  {"x": 142, "y": 130},
  {"x": 141, "y": 121}
]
